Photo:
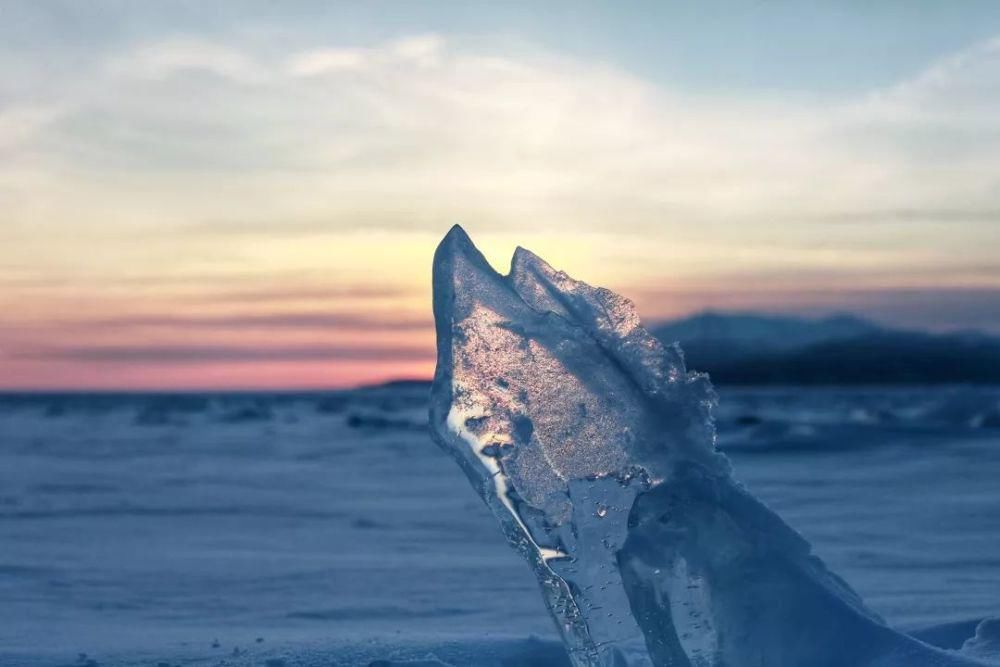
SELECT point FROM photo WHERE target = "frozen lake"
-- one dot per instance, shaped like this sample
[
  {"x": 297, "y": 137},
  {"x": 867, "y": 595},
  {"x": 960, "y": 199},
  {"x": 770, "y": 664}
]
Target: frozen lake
[{"x": 301, "y": 529}]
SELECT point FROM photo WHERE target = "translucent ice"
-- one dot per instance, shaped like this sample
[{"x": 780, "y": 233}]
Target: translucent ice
[{"x": 595, "y": 449}]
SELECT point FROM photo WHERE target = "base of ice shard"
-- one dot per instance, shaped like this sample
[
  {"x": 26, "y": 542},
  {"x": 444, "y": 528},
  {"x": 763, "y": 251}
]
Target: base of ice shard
[{"x": 595, "y": 449}]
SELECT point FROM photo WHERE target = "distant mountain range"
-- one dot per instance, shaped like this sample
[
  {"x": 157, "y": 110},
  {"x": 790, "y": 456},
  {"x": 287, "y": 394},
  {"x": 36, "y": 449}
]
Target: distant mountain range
[{"x": 752, "y": 348}]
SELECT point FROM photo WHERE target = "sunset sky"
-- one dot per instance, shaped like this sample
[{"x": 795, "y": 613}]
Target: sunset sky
[{"x": 248, "y": 194}]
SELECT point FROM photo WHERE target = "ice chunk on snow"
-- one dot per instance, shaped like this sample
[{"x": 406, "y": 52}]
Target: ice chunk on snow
[{"x": 594, "y": 448}]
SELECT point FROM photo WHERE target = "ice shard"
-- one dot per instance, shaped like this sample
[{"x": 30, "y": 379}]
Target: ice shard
[{"x": 595, "y": 449}]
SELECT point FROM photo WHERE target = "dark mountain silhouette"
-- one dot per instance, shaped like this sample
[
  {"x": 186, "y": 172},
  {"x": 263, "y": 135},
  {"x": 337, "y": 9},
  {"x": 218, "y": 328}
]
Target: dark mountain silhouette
[{"x": 750, "y": 348}]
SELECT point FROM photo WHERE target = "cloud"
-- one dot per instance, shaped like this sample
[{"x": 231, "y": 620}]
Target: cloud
[
  {"x": 315, "y": 293},
  {"x": 164, "y": 137},
  {"x": 960, "y": 86},
  {"x": 302, "y": 321},
  {"x": 415, "y": 131},
  {"x": 419, "y": 50},
  {"x": 201, "y": 354},
  {"x": 323, "y": 61},
  {"x": 910, "y": 215},
  {"x": 185, "y": 56}
]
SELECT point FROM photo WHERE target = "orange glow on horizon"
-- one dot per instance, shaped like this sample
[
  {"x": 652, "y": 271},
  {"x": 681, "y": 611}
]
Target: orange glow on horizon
[
  {"x": 50, "y": 376},
  {"x": 343, "y": 309}
]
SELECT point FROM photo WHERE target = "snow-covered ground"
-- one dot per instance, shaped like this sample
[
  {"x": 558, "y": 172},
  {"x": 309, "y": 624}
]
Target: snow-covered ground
[{"x": 328, "y": 529}]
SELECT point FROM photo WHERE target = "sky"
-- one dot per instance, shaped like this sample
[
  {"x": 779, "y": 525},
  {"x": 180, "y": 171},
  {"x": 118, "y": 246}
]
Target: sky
[{"x": 248, "y": 194}]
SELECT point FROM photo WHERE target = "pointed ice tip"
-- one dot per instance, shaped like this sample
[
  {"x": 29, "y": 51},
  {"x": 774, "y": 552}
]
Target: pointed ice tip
[
  {"x": 455, "y": 242},
  {"x": 521, "y": 253},
  {"x": 456, "y": 235},
  {"x": 457, "y": 253},
  {"x": 522, "y": 256},
  {"x": 524, "y": 260}
]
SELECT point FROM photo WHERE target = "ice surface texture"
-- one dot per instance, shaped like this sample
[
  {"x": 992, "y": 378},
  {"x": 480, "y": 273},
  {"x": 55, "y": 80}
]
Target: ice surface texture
[{"x": 595, "y": 449}]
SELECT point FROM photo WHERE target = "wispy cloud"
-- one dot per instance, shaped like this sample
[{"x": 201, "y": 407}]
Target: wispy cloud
[
  {"x": 302, "y": 321},
  {"x": 420, "y": 50},
  {"x": 194, "y": 354},
  {"x": 418, "y": 131},
  {"x": 184, "y": 56},
  {"x": 291, "y": 293},
  {"x": 945, "y": 216}
]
